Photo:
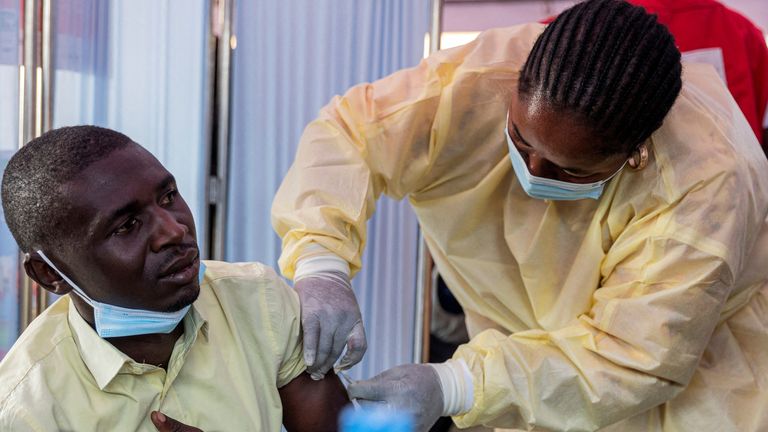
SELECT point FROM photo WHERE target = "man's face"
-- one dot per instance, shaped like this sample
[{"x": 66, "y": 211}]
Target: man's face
[{"x": 134, "y": 241}]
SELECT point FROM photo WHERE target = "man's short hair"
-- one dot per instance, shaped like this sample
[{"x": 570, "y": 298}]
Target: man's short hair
[{"x": 31, "y": 189}]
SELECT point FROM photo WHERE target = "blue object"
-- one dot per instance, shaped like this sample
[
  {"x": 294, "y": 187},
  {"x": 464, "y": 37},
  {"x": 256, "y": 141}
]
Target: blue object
[
  {"x": 201, "y": 273},
  {"x": 117, "y": 321},
  {"x": 370, "y": 419},
  {"x": 545, "y": 188}
]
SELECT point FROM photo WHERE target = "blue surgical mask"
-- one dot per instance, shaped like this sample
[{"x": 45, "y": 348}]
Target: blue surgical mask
[
  {"x": 544, "y": 188},
  {"x": 116, "y": 321}
]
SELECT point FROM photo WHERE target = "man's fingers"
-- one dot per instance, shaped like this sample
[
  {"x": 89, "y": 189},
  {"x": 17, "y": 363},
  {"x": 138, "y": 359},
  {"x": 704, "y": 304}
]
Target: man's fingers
[
  {"x": 356, "y": 347},
  {"x": 311, "y": 335},
  {"x": 163, "y": 423}
]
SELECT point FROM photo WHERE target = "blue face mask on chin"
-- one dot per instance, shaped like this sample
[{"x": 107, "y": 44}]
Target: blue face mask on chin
[
  {"x": 544, "y": 188},
  {"x": 116, "y": 321}
]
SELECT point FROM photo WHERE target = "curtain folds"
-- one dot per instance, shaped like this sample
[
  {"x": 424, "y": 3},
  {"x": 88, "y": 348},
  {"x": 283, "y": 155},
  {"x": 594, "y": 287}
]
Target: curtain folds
[
  {"x": 136, "y": 66},
  {"x": 292, "y": 56}
]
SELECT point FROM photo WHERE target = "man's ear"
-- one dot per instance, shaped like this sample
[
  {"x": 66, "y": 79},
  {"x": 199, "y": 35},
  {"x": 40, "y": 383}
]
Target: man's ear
[{"x": 44, "y": 274}]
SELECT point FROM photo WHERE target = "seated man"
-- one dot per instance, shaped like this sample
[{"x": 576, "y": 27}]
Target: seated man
[{"x": 147, "y": 328}]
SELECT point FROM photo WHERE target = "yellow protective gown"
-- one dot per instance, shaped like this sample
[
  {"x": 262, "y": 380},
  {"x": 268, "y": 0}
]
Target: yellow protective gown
[{"x": 645, "y": 310}]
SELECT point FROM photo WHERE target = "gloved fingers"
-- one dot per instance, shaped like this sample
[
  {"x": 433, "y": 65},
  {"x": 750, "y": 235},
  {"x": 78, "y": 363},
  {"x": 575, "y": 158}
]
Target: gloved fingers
[
  {"x": 373, "y": 389},
  {"x": 339, "y": 341},
  {"x": 357, "y": 344},
  {"x": 323, "y": 361},
  {"x": 311, "y": 328},
  {"x": 368, "y": 404}
]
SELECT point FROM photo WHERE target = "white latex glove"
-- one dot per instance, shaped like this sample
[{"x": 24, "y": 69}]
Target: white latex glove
[
  {"x": 331, "y": 320},
  {"x": 413, "y": 388},
  {"x": 427, "y": 391}
]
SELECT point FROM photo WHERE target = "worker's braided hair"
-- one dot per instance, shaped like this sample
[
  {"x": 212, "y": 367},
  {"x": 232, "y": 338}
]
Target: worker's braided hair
[
  {"x": 33, "y": 203},
  {"x": 610, "y": 63}
]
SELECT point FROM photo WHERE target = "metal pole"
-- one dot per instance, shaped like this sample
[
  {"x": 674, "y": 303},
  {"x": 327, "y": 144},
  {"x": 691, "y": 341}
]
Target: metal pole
[
  {"x": 45, "y": 106},
  {"x": 46, "y": 65},
  {"x": 218, "y": 194},
  {"x": 424, "y": 268},
  {"x": 210, "y": 112},
  {"x": 436, "y": 26},
  {"x": 29, "y": 128},
  {"x": 423, "y": 302},
  {"x": 23, "y": 282},
  {"x": 31, "y": 63},
  {"x": 36, "y": 83}
]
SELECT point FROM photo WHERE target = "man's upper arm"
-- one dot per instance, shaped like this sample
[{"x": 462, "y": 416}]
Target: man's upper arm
[
  {"x": 310, "y": 405},
  {"x": 285, "y": 324}
]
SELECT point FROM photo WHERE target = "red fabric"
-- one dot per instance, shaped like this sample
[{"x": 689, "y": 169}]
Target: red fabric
[{"x": 698, "y": 24}]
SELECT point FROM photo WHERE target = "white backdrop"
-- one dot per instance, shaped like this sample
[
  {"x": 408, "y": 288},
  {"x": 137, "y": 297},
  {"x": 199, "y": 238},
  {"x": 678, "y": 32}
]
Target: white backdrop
[{"x": 292, "y": 56}]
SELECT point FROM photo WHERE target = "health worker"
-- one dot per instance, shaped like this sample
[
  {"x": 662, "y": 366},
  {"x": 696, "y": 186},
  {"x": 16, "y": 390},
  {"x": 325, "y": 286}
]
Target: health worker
[{"x": 598, "y": 210}]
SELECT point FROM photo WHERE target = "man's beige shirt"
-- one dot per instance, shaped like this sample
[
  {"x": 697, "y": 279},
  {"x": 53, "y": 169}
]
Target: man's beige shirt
[{"x": 241, "y": 343}]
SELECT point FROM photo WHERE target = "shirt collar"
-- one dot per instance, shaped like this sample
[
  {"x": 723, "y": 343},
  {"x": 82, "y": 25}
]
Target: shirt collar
[
  {"x": 103, "y": 360},
  {"x": 194, "y": 322}
]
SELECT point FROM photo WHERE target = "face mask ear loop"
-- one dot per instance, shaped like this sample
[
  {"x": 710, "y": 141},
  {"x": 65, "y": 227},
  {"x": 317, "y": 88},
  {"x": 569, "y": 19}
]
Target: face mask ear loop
[{"x": 74, "y": 286}]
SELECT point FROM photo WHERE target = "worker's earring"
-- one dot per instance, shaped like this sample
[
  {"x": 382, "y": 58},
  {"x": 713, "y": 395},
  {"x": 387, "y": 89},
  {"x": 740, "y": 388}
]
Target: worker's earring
[{"x": 639, "y": 158}]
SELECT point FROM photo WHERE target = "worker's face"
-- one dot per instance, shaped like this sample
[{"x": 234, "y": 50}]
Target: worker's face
[
  {"x": 556, "y": 145},
  {"x": 136, "y": 243}
]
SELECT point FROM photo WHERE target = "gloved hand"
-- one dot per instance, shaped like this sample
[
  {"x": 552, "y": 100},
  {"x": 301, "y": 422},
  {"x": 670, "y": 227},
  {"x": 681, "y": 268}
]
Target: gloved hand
[
  {"x": 414, "y": 388},
  {"x": 331, "y": 319}
]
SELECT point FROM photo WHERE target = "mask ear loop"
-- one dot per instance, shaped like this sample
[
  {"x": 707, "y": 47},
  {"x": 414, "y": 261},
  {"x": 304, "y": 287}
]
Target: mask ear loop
[
  {"x": 75, "y": 288},
  {"x": 639, "y": 158}
]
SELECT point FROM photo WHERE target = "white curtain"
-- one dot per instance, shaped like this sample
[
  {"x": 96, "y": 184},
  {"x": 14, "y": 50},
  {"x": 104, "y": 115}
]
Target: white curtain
[
  {"x": 10, "y": 53},
  {"x": 292, "y": 56},
  {"x": 138, "y": 66}
]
